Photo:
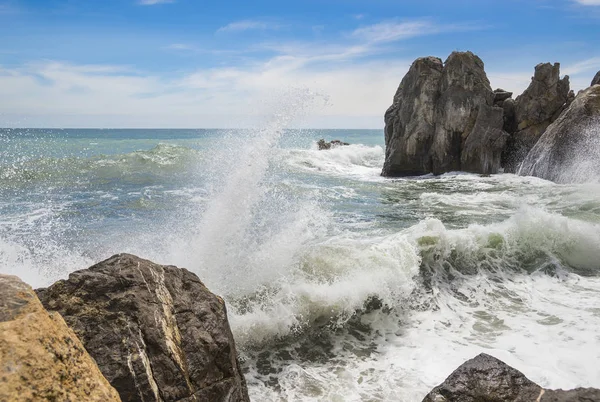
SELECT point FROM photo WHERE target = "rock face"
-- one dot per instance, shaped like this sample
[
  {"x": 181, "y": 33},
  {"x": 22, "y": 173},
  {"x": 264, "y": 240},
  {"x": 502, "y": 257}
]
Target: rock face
[
  {"x": 485, "y": 378},
  {"x": 569, "y": 149},
  {"x": 156, "y": 332},
  {"x": 535, "y": 109},
  {"x": 596, "y": 80},
  {"x": 440, "y": 110},
  {"x": 40, "y": 357}
]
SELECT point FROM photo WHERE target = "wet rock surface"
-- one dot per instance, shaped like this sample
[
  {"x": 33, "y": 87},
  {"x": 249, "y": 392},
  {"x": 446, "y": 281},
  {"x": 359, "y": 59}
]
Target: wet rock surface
[
  {"x": 41, "y": 359},
  {"x": 156, "y": 332},
  {"x": 323, "y": 145},
  {"x": 487, "y": 379}
]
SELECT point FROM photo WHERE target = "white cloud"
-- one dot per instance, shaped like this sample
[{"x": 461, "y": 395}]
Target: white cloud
[
  {"x": 591, "y": 64},
  {"x": 588, "y": 2},
  {"x": 246, "y": 25},
  {"x": 153, "y": 2},
  {"x": 392, "y": 31}
]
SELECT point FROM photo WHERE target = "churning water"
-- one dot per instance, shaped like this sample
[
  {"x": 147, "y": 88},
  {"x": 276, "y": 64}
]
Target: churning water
[{"x": 341, "y": 285}]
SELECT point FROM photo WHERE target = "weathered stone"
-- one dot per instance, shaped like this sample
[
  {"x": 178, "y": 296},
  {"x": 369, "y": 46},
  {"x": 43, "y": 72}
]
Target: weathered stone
[
  {"x": 482, "y": 151},
  {"x": 487, "y": 379},
  {"x": 500, "y": 95},
  {"x": 464, "y": 88},
  {"x": 156, "y": 332},
  {"x": 435, "y": 114},
  {"x": 41, "y": 359},
  {"x": 535, "y": 109},
  {"x": 596, "y": 79},
  {"x": 409, "y": 122},
  {"x": 569, "y": 149},
  {"x": 323, "y": 145}
]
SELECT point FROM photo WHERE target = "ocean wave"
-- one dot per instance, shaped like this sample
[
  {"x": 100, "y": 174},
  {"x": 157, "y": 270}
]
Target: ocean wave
[
  {"x": 162, "y": 160},
  {"x": 356, "y": 161}
]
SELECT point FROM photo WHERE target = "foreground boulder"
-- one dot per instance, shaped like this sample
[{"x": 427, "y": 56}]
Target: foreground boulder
[
  {"x": 569, "y": 149},
  {"x": 485, "y": 378},
  {"x": 535, "y": 109},
  {"x": 41, "y": 359},
  {"x": 439, "y": 111},
  {"x": 156, "y": 332}
]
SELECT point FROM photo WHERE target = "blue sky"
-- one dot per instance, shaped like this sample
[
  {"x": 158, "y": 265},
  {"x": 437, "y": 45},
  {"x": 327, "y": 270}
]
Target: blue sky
[{"x": 191, "y": 63}]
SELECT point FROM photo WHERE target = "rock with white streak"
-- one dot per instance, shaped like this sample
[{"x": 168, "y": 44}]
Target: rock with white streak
[{"x": 156, "y": 332}]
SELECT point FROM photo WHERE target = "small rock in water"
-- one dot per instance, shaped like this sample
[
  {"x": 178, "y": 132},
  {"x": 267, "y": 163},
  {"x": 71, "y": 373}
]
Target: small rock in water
[{"x": 328, "y": 145}]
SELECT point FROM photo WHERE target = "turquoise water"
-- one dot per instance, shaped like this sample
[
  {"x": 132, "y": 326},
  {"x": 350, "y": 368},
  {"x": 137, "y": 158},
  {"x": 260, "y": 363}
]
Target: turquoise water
[{"x": 341, "y": 285}]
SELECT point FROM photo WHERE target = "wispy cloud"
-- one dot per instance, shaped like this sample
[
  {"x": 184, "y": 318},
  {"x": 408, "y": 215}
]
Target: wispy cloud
[
  {"x": 246, "y": 25},
  {"x": 153, "y": 2},
  {"x": 588, "y": 2},
  {"x": 591, "y": 64},
  {"x": 391, "y": 31}
]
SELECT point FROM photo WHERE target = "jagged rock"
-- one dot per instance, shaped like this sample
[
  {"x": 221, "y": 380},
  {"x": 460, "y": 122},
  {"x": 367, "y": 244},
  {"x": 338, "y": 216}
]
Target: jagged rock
[
  {"x": 409, "y": 122},
  {"x": 535, "y": 109},
  {"x": 596, "y": 79},
  {"x": 464, "y": 88},
  {"x": 435, "y": 114},
  {"x": 328, "y": 145},
  {"x": 500, "y": 95},
  {"x": 156, "y": 332},
  {"x": 485, "y": 378},
  {"x": 569, "y": 149},
  {"x": 41, "y": 359}
]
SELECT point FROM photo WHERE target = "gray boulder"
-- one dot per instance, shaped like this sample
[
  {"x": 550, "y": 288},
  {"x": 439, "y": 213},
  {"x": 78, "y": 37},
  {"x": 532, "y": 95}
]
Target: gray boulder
[
  {"x": 596, "y": 80},
  {"x": 464, "y": 90},
  {"x": 485, "y": 378},
  {"x": 436, "y": 115},
  {"x": 500, "y": 95},
  {"x": 156, "y": 332},
  {"x": 535, "y": 109},
  {"x": 409, "y": 122},
  {"x": 569, "y": 149}
]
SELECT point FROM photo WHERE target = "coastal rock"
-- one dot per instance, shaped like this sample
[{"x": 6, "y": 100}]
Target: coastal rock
[
  {"x": 409, "y": 122},
  {"x": 436, "y": 114},
  {"x": 500, "y": 95},
  {"x": 596, "y": 79},
  {"x": 156, "y": 332},
  {"x": 569, "y": 149},
  {"x": 535, "y": 109},
  {"x": 323, "y": 145},
  {"x": 485, "y": 378},
  {"x": 40, "y": 357},
  {"x": 464, "y": 90}
]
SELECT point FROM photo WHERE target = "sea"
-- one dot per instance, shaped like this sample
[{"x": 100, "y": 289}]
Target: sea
[{"x": 341, "y": 285}]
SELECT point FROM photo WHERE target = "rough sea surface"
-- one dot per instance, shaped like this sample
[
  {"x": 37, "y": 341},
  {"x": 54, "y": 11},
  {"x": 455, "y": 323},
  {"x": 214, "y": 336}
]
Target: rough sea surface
[{"x": 341, "y": 285}]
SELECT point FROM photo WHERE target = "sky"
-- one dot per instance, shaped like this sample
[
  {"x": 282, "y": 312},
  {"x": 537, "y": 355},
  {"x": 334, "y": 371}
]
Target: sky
[{"x": 229, "y": 64}]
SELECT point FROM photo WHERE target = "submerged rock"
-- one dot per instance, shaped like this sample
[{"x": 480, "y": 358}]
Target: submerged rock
[
  {"x": 156, "y": 332},
  {"x": 328, "y": 145},
  {"x": 485, "y": 378},
  {"x": 438, "y": 110},
  {"x": 40, "y": 357},
  {"x": 535, "y": 109},
  {"x": 569, "y": 149}
]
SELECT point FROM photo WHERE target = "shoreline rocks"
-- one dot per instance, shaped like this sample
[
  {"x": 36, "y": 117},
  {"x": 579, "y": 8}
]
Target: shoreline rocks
[
  {"x": 445, "y": 117},
  {"x": 40, "y": 357},
  {"x": 156, "y": 332},
  {"x": 485, "y": 378},
  {"x": 323, "y": 145}
]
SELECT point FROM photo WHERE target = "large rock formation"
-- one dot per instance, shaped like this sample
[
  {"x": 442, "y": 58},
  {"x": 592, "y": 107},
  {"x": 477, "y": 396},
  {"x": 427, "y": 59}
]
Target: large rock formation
[
  {"x": 534, "y": 110},
  {"x": 485, "y": 378},
  {"x": 569, "y": 149},
  {"x": 409, "y": 122},
  {"x": 596, "y": 79},
  {"x": 41, "y": 359},
  {"x": 156, "y": 332},
  {"x": 440, "y": 110}
]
